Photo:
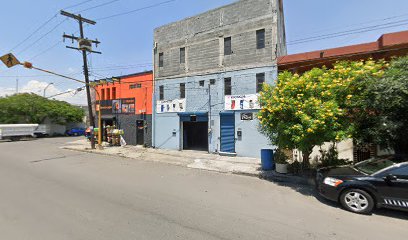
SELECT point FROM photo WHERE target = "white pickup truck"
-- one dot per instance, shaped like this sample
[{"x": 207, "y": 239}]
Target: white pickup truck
[{"x": 15, "y": 132}]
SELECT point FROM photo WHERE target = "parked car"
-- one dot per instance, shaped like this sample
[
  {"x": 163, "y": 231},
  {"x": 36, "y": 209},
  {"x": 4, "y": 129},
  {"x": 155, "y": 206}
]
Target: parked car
[
  {"x": 75, "y": 132},
  {"x": 359, "y": 188}
]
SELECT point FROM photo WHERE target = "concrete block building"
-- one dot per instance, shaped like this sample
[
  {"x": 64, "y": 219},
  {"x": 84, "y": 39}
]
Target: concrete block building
[{"x": 208, "y": 70}]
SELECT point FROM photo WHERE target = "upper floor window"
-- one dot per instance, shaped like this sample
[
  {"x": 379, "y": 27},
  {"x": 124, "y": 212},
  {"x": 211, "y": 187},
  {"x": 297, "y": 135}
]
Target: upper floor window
[
  {"x": 161, "y": 59},
  {"x": 133, "y": 86},
  {"x": 161, "y": 93},
  {"x": 102, "y": 94},
  {"x": 183, "y": 55},
  {"x": 260, "y": 39},
  {"x": 212, "y": 81},
  {"x": 108, "y": 96},
  {"x": 227, "y": 46},
  {"x": 202, "y": 82},
  {"x": 260, "y": 80},
  {"x": 114, "y": 93},
  {"x": 182, "y": 90},
  {"x": 227, "y": 86}
]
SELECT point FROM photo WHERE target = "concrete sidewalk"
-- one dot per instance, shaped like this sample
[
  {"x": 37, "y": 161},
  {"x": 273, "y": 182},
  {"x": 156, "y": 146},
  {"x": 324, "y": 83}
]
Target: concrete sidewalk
[{"x": 191, "y": 159}]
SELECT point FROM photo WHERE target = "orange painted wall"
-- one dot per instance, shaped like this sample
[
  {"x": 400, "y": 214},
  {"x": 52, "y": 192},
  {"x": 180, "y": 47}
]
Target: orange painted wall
[{"x": 127, "y": 88}]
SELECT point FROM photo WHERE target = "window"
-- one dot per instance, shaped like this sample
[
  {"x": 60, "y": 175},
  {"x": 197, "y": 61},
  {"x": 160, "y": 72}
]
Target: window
[
  {"x": 102, "y": 94},
  {"x": 401, "y": 172},
  {"x": 114, "y": 93},
  {"x": 260, "y": 80},
  {"x": 182, "y": 90},
  {"x": 260, "y": 39},
  {"x": 133, "y": 86},
  {"x": 183, "y": 55},
  {"x": 108, "y": 96},
  {"x": 202, "y": 82},
  {"x": 161, "y": 59},
  {"x": 227, "y": 86},
  {"x": 227, "y": 46},
  {"x": 212, "y": 81},
  {"x": 161, "y": 94}
]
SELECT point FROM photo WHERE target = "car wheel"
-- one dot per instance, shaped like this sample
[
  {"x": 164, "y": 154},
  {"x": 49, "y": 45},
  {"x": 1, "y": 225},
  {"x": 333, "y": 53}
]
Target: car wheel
[{"x": 357, "y": 201}]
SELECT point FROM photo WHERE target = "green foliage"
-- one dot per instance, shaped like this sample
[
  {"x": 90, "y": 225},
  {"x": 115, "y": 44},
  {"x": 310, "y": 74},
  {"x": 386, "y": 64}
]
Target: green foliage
[
  {"x": 280, "y": 156},
  {"x": 330, "y": 157},
  {"x": 31, "y": 108},
  {"x": 383, "y": 115},
  {"x": 303, "y": 111}
]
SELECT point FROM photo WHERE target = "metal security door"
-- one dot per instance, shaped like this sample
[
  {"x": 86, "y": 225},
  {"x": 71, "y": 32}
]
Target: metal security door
[
  {"x": 140, "y": 132},
  {"x": 227, "y": 132}
]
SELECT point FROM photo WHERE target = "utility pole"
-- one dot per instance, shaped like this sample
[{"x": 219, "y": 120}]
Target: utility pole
[
  {"x": 16, "y": 85},
  {"x": 85, "y": 46},
  {"x": 209, "y": 116}
]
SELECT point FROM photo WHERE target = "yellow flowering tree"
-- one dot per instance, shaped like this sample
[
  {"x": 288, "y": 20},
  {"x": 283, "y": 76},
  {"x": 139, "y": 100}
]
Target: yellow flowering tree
[{"x": 303, "y": 111}]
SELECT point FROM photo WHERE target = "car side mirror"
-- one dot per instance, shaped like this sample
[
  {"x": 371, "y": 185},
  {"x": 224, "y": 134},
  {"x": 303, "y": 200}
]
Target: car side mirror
[{"x": 390, "y": 178}]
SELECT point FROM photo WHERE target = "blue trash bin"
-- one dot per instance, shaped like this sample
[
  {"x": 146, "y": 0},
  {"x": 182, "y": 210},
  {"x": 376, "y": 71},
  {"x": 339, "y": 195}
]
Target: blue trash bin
[{"x": 267, "y": 159}]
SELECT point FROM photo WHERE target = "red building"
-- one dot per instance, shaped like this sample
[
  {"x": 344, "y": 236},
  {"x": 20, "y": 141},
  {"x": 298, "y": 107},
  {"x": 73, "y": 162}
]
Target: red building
[
  {"x": 387, "y": 46},
  {"x": 126, "y": 102}
]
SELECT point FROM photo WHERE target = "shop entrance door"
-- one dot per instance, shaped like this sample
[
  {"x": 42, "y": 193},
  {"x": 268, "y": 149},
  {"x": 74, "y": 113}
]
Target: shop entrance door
[
  {"x": 195, "y": 136},
  {"x": 227, "y": 132},
  {"x": 140, "y": 132}
]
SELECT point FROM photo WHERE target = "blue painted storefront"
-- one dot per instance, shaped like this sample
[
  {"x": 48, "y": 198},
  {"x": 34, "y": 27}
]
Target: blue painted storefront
[{"x": 207, "y": 104}]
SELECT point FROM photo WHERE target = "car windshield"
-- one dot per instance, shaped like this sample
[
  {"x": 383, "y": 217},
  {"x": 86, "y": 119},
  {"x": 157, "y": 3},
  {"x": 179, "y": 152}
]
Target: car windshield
[{"x": 374, "y": 165}]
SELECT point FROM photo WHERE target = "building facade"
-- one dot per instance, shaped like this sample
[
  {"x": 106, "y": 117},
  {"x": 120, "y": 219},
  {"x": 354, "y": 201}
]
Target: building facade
[
  {"x": 208, "y": 71},
  {"x": 126, "y": 102}
]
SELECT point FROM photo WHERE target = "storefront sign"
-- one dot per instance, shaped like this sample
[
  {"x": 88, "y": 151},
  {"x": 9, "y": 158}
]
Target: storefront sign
[
  {"x": 118, "y": 106},
  {"x": 247, "y": 116},
  {"x": 128, "y": 105},
  {"x": 242, "y": 102},
  {"x": 171, "y": 106}
]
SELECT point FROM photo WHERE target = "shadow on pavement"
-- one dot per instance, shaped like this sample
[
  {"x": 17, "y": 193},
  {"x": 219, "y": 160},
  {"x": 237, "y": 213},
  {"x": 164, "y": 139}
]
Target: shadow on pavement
[{"x": 310, "y": 191}]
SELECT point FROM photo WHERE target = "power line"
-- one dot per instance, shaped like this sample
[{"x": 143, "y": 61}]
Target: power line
[
  {"x": 69, "y": 91},
  {"x": 348, "y": 31},
  {"x": 77, "y": 5},
  {"x": 46, "y": 50},
  {"x": 100, "y": 5},
  {"x": 346, "y": 34},
  {"x": 43, "y": 36},
  {"x": 34, "y": 32},
  {"x": 359, "y": 24},
  {"x": 135, "y": 10}
]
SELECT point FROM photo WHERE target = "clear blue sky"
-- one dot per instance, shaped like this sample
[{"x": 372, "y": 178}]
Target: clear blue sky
[{"x": 127, "y": 40}]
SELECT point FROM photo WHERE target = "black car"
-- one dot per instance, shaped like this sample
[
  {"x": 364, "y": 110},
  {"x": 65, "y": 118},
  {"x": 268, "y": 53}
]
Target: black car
[{"x": 379, "y": 182}]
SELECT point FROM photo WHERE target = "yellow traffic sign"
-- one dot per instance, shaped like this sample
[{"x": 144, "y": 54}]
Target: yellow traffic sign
[{"x": 9, "y": 60}]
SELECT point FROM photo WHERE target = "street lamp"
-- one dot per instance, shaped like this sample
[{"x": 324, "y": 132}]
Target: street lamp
[{"x": 45, "y": 89}]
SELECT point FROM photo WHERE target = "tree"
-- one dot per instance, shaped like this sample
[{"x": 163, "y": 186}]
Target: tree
[
  {"x": 31, "y": 108},
  {"x": 303, "y": 111},
  {"x": 385, "y": 100}
]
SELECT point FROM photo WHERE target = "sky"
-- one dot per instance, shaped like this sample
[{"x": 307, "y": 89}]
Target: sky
[{"x": 126, "y": 40}]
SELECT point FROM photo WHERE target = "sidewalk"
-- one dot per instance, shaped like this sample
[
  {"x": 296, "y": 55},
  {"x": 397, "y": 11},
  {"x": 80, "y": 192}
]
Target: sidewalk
[{"x": 190, "y": 159}]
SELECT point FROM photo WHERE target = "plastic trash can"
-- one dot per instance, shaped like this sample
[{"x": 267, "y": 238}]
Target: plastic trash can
[{"x": 267, "y": 159}]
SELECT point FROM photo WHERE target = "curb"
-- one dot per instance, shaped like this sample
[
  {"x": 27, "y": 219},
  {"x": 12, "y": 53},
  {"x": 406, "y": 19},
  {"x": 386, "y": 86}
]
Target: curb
[{"x": 264, "y": 175}]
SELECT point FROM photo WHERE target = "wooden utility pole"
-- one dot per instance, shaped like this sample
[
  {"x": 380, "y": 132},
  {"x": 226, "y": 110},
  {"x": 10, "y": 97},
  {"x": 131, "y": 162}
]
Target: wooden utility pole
[{"x": 85, "y": 45}]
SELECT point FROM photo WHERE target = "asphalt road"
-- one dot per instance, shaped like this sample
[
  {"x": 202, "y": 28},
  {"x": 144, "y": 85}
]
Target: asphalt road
[{"x": 50, "y": 193}]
